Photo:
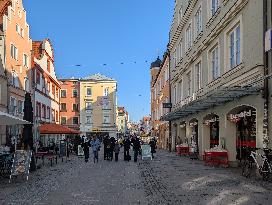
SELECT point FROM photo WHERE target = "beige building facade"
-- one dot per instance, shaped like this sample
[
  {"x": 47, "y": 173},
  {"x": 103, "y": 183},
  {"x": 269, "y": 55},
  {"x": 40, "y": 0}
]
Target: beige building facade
[
  {"x": 98, "y": 106},
  {"x": 216, "y": 67}
]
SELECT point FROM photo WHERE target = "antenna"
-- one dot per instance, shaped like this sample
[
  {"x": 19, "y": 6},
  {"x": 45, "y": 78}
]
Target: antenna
[{"x": 158, "y": 51}]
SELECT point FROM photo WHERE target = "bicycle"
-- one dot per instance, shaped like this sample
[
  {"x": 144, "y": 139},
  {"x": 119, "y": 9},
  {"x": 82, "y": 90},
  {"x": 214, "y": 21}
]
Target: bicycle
[{"x": 264, "y": 168}]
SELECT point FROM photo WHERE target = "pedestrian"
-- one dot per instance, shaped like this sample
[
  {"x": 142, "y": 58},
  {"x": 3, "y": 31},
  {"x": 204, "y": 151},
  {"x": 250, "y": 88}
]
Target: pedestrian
[
  {"x": 111, "y": 149},
  {"x": 86, "y": 151},
  {"x": 127, "y": 143},
  {"x": 152, "y": 144},
  {"x": 116, "y": 150},
  {"x": 95, "y": 144},
  {"x": 106, "y": 142},
  {"x": 136, "y": 147}
]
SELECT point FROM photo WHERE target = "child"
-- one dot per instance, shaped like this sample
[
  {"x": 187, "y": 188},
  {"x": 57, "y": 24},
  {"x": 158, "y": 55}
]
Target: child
[{"x": 116, "y": 150}]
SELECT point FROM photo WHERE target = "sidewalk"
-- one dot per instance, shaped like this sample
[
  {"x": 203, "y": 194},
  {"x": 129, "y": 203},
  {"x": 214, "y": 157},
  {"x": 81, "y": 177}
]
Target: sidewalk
[{"x": 170, "y": 179}]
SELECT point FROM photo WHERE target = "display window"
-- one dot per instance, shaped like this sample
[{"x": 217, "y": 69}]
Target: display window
[
  {"x": 212, "y": 121},
  {"x": 245, "y": 120},
  {"x": 194, "y": 136}
]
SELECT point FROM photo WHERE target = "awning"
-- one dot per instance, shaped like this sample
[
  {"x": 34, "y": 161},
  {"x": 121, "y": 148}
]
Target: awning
[
  {"x": 7, "y": 119},
  {"x": 56, "y": 129},
  {"x": 214, "y": 98}
]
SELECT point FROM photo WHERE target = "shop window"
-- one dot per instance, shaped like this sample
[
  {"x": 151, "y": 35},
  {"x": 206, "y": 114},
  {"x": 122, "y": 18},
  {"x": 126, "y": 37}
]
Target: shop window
[{"x": 212, "y": 122}]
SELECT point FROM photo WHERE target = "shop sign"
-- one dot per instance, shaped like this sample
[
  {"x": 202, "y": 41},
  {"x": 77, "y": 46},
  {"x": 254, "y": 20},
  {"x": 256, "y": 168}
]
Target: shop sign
[
  {"x": 193, "y": 124},
  {"x": 237, "y": 117},
  {"x": 167, "y": 105},
  {"x": 208, "y": 122},
  {"x": 96, "y": 130}
]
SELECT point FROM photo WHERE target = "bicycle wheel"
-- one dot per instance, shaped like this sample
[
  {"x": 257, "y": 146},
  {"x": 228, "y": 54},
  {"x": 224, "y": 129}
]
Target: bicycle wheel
[
  {"x": 246, "y": 168},
  {"x": 264, "y": 171}
]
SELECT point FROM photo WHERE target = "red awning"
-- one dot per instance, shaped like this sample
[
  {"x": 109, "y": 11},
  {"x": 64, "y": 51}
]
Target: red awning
[{"x": 56, "y": 129}]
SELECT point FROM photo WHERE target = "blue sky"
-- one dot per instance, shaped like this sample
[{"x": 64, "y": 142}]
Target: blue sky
[{"x": 117, "y": 33}]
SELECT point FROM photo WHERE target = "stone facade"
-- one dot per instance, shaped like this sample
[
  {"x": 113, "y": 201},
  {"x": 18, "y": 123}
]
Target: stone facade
[{"x": 216, "y": 65}]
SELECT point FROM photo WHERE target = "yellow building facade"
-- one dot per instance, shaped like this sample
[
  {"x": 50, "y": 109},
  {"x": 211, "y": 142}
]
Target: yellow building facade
[{"x": 98, "y": 106}]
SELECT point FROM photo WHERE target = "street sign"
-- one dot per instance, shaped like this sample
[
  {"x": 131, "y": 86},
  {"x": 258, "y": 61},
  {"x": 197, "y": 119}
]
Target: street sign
[
  {"x": 146, "y": 151},
  {"x": 167, "y": 105},
  {"x": 268, "y": 40}
]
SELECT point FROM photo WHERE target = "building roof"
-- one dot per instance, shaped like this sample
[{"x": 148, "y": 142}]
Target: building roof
[
  {"x": 156, "y": 63},
  {"x": 98, "y": 77},
  {"x": 56, "y": 129}
]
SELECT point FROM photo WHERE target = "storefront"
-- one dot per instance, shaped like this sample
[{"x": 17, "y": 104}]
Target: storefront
[
  {"x": 211, "y": 123},
  {"x": 244, "y": 118}
]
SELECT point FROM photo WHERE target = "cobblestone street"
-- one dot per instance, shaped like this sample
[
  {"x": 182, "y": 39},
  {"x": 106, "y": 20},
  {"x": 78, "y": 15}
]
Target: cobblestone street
[{"x": 168, "y": 179}]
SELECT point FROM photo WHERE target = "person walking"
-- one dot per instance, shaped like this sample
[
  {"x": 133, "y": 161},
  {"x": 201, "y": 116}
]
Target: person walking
[
  {"x": 116, "y": 150},
  {"x": 86, "y": 151},
  {"x": 106, "y": 142},
  {"x": 136, "y": 147},
  {"x": 152, "y": 144},
  {"x": 95, "y": 144},
  {"x": 126, "y": 149},
  {"x": 112, "y": 145}
]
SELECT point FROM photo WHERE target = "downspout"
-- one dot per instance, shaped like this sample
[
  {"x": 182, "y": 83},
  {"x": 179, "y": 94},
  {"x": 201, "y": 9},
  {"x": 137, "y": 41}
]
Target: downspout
[{"x": 266, "y": 89}]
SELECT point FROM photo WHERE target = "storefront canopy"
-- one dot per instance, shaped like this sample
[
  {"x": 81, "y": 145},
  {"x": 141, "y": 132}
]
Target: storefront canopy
[
  {"x": 7, "y": 119},
  {"x": 56, "y": 129},
  {"x": 215, "y": 98}
]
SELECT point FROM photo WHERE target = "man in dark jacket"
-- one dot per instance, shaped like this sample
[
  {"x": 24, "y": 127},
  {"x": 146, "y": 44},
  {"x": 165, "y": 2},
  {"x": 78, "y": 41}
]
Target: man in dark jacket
[
  {"x": 136, "y": 147},
  {"x": 86, "y": 150},
  {"x": 152, "y": 144},
  {"x": 126, "y": 149},
  {"x": 106, "y": 143}
]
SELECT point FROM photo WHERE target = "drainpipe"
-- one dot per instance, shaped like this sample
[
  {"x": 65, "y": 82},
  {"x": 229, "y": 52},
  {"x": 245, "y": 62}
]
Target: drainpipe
[{"x": 266, "y": 89}]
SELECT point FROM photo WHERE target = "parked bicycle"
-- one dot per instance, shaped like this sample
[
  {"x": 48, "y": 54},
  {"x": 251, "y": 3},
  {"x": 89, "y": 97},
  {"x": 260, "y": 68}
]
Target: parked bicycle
[{"x": 264, "y": 167}]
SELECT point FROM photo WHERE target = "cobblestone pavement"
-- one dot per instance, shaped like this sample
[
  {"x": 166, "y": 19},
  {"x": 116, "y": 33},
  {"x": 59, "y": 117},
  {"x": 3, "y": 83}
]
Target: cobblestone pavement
[{"x": 168, "y": 179}]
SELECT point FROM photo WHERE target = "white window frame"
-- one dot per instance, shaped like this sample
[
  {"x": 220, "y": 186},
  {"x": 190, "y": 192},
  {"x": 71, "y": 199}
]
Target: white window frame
[
  {"x": 76, "y": 93},
  {"x": 61, "y": 93},
  {"x": 214, "y": 75},
  {"x": 180, "y": 14},
  {"x": 180, "y": 51},
  {"x": 189, "y": 36},
  {"x": 189, "y": 83},
  {"x": 234, "y": 61},
  {"x": 198, "y": 77},
  {"x": 25, "y": 60},
  {"x": 180, "y": 89},
  {"x": 26, "y": 84},
  {"x": 77, "y": 120},
  {"x": 89, "y": 122},
  {"x": 88, "y": 107},
  {"x": 214, "y": 6},
  {"x": 14, "y": 52},
  {"x": 198, "y": 17},
  {"x": 106, "y": 117},
  {"x": 106, "y": 91}
]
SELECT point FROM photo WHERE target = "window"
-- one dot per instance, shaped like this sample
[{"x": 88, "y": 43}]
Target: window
[
  {"x": 38, "y": 77},
  {"x": 88, "y": 119},
  {"x": 63, "y": 106},
  {"x": 106, "y": 119},
  {"x": 180, "y": 89},
  {"x": 106, "y": 91},
  {"x": 74, "y": 93},
  {"x": 17, "y": 28},
  {"x": 12, "y": 105},
  {"x": 26, "y": 61},
  {"x": 38, "y": 110},
  {"x": 75, "y": 107},
  {"x": 75, "y": 120},
  {"x": 48, "y": 65},
  {"x": 198, "y": 76},
  {"x": 175, "y": 94},
  {"x": 175, "y": 57},
  {"x": 214, "y": 63},
  {"x": 63, "y": 93},
  {"x": 53, "y": 89},
  {"x": 180, "y": 14},
  {"x": 198, "y": 21},
  {"x": 63, "y": 120},
  {"x": 26, "y": 84},
  {"x": 234, "y": 47},
  {"x": 48, "y": 113},
  {"x": 20, "y": 107},
  {"x": 57, "y": 116},
  {"x": 180, "y": 53},
  {"x": 188, "y": 37},
  {"x": 57, "y": 92},
  {"x": 106, "y": 104},
  {"x": 53, "y": 115},
  {"x": 189, "y": 84},
  {"x": 214, "y": 6},
  {"x": 14, "y": 52},
  {"x": 15, "y": 79},
  {"x": 89, "y": 91},
  {"x": 166, "y": 74},
  {"x": 43, "y": 111},
  {"x": 89, "y": 106}
]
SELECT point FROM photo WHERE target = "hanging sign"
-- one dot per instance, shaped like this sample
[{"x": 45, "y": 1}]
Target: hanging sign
[
  {"x": 212, "y": 120},
  {"x": 146, "y": 151},
  {"x": 237, "y": 117}
]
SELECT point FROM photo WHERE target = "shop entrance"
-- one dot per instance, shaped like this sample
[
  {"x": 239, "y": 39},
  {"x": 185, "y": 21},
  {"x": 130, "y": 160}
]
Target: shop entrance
[
  {"x": 212, "y": 122},
  {"x": 182, "y": 128},
  {"x": 245, "y": 119},
  {"x": 194, "y": 137}
]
